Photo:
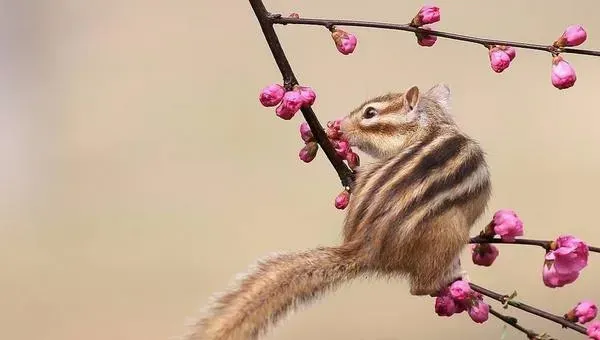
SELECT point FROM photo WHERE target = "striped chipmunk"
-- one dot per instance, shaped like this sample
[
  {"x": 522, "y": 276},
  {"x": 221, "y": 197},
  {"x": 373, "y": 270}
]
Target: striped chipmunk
[{"x": 409, "y": 216}]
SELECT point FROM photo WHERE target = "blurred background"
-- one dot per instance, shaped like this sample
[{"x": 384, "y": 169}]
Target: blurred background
[{"x": 139, "y": 173}]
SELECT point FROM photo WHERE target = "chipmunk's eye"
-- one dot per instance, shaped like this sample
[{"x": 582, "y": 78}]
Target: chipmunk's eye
[{"x": 369, "y": 113}]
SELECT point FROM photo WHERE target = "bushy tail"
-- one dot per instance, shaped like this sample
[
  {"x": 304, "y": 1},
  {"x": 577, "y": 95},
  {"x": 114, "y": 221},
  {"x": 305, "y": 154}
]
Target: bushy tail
[{"x": 277, "y": 286}]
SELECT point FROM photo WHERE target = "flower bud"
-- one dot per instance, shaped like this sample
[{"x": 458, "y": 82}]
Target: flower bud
[
  {"x": 426, "y": 15},
  {"x": 563, "y": 75},
  {"x": 305, "y": 132},
  {"x": 484, "y": 254},
  {"x": 460, "y": 290},
  {"x": 344, "y": 42},
  {"x": 571, "y": 254},
  {"x": 499, "y": 59},
  {"x": 553, "y": 278},
  {"x": 425, "y": 40},
  {"x": 341, "y": 147},
  {"x": 444, "y": 305},
  {"x": 353, "y": 159},
  {"x": 593, "y": 330},
  {"x": 342, "y": 200},
  {"x": 308, "y": 152},
  {"x": 479, "y": 312},
  {"x": 507, "y": 224},
  {"x": 583, "y": 312},
  {"x": 290, "y": 104},
  {"x": 308, "y": 95},
  {"x": 271, "y": 95},
  {"x": 294, "y": 15},
  {"x": 511, "y": 51},
  {"x": 573, "y": 35}
]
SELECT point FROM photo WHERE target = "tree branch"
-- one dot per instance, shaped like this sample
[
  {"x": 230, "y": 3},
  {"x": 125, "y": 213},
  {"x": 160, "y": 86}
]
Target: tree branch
[
  {"x": 540, "y": 243},
  {"x": 515, "y": 324},
  {"x": 278, "y": 19}
]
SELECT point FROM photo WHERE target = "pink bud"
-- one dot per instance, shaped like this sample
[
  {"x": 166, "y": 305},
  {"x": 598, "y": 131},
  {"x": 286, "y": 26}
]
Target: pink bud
[
  {"x": 290, "y": 104},
  {"x": 341, "y": 147},
  {"x": 593, "y": 330},
  {"x": 308, "y": 152},
  {"x": 573, "y": 35},
  {"x": 554, "y": 279},
  {"x": 345, "y": 42},
  {"x": 353, "y": 160},
  {"x": 305, "y": 132},
  {"x": 507, "y": 224},
  {"x": 511, "y": 51},
  {"x": 426, "y": 40},
  {"x": 563, "y": 75},
  {"x": 499, "y": 59},
  {"x": 342, "y": 200},
  {"x": 460, "y": 290},
  {"x": 571, "y": 254},
  {"x": 479, "y": 312},
  {"x": 585, "y": 311},
  {"x": 308, "y": 95},
  {"x": 294, "y": 15},
  {"x": 271, "y": 95},
  {"x": 427, "y": 15},
  {"x": 444, "y": 305},
  {"x": 484, "y": 254}
]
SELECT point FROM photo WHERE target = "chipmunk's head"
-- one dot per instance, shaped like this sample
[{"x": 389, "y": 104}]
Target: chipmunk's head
[{"x": 382, "y": 125}]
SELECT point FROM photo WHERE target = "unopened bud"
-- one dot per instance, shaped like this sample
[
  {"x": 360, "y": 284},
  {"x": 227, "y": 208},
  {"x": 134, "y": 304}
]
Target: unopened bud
[
  {"x": 344, "y": 42},
  {"x": 305, "y": 132},
  {"x": 342, "y": 200},
  {"x": 309, "y": 152}
]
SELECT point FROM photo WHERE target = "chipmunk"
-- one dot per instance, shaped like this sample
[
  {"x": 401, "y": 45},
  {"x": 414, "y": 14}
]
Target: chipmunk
[{"x": 409, "y": 216}]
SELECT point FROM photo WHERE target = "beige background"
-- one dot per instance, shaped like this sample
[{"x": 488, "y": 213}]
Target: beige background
[{"x": 139, "y": 173}]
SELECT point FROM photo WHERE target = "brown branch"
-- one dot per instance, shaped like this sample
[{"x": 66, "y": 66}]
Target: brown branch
[
  {"x": 515, "y": 324},
  {"x": 540, "y": 243},
  {"x": 278, "y": 19},
  {"x": 529, "y": 309}
]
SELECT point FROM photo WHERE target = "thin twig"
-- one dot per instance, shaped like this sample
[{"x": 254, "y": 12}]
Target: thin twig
[
  {"x": 523, "y": 241},
  {"x": 527, "y": 308},
  {"x": 266, "y": 23},
  {"x": 278, "y": 19},
  {"x": 514, "y": 323}
]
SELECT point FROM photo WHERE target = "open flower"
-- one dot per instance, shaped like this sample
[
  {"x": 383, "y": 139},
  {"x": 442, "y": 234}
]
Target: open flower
[{"x": 571, "y": 254}]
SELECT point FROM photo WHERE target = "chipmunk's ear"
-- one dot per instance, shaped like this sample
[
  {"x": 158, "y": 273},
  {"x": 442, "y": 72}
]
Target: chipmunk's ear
[
  {"x": 411, "y": 98},
  {"x": 440, "y": 93}
]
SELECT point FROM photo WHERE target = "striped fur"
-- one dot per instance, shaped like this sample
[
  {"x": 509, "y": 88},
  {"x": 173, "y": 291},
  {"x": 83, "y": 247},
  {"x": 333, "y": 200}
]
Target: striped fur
[{"x": 409, "y": 215}]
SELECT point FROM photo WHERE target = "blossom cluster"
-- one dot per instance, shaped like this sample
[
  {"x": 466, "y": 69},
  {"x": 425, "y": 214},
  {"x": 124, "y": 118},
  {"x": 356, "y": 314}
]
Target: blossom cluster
[
  {"x": 288, "y": 102},
  {"x": 459, "y": 297}
]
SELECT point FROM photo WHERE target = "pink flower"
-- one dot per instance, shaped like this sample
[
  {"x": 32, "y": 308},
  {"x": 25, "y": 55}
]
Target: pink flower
[
  {"x": 426, "y": 40},
  {"x": 511, "y": 51},
  {"x": 484, "y": 254},
  {"x": 342, "y": 200},
  {"x": 593, "y": 330},
  {"x": 290, "y": 104},
  {"x": 571, "y": 254},
  {"x": 308, "y": 152},
  {"x": 585, "y": 311},
  {"x": 294, "y": 15},
  {"x": 479, "y": 311},
  {"x": 344, "y": 42},
  {"x": 499, "y": 59},
  {"x": 554, "y": 279},
  {"x": 308, "y": 95},
  {"x": 427, "y": 15},
  {"x": 573, "y": 35},
  {"x": 271, "y": 95},
  {"x": 333, "y": 129},
  {"x": 305, "y": 132},
  {"x": 444, "y": 305},
  {"x": 460, "y": 290},
  {"x": 563, "y": 75},
  {"x": 353, "y": 159},
  {"x": 507, "y": 224},
  {"x": 341, "y": 147}
]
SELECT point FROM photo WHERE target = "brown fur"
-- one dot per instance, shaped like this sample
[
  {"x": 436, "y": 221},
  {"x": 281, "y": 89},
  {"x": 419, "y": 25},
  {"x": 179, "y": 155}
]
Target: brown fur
[{"x": 409, "y": 215}]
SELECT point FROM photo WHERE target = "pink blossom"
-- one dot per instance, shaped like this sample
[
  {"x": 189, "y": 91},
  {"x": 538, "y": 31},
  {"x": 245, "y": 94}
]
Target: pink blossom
[
  {"x": 290, "y": 104},
  {"x": 593, "y": 330},
  {"x": 484, "y": 254},
  {"x": 499, "y": 59},
  {"x": 308, "y": 152},
  {"x": 426, "y": 40},
  {"x": 554, "y": 279},
  {"x": 344, "y": 42},
  {"x": 573, "y": 35},
  {"x": 271, "y": 95},
  {"x": 333, "y": 129},
  {"x": 460, "y": 290},
  {"x": 585, "y": 311},
  {"x": 427, "y": 15},
  {"x": 444, "y": 305},
  {"x": 308, "y": 95},
  {"x": 341, "y": 147},
  {"x": 571, "y": 254},
  {"x": 511, "y": 51},
  {"x": 563, "y": 75},
  {"x": 342, "y": 200},
  {"x": 294, "y": 15},
  {"x": 507, "y": 224},
  {"x": 353, "y": 159},
  {"x": 479, "y": 311},
  {"x": 305, "y": 132}
]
